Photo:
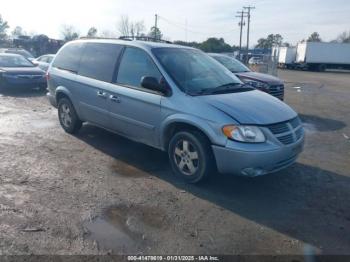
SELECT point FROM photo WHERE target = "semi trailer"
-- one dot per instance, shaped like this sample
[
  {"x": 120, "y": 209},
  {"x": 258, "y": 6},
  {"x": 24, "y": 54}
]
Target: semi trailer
[
  {"x": 319, "y": 56},
  {"x": 286, "y": 57}
]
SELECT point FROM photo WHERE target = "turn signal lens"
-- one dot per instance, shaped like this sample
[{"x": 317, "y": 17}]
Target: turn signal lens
[{"x": 247, "y": 134}]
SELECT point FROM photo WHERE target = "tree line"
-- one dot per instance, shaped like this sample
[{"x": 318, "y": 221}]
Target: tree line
[{"x": 127, "y": 27}]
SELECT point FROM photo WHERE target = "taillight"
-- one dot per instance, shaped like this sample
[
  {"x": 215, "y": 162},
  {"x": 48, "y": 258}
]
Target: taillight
[{"x": 47, "y": 76}]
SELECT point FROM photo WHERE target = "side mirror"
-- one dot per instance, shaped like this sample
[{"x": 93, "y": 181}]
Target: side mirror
[{"x": 151, "y": 83}]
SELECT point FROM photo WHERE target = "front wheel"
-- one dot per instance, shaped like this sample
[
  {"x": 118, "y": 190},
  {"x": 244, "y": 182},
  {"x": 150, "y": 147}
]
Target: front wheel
[
  {"x": 191, "y": 157},
  {"x": 68, "y": 117}
]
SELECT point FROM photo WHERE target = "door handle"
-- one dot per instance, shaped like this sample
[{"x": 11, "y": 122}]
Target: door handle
[
  {"x": 101, "y": 94},
  {"x": 115, "y": 99}
]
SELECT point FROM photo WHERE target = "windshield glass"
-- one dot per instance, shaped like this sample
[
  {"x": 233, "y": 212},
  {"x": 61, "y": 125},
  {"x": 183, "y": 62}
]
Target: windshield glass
[
  {"x": 231, "y": 64},
  {"x": 24, "y": 53},
  {"x": 14, "y": 61},
  {"x": 193, "y": 71}
]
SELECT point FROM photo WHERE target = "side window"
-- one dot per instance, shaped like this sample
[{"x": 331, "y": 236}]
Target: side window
[
  {"x": 69, "y": 57},
  {"x": 99, "y": 60},
  {"x": 135, "y": 64}
]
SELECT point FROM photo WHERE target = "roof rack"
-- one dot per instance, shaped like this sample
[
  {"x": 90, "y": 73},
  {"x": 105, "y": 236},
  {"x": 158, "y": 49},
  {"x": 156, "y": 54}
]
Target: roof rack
[
  {"x": 130, "y": 38},
  {"x": 144, "y": 38}
]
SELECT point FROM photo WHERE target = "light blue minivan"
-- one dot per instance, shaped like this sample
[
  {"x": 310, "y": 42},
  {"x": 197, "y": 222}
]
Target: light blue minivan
[{"x": 176, "y": 99}]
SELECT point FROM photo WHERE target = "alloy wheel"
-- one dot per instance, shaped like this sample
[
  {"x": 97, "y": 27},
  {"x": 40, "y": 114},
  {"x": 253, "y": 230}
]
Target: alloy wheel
[{"x": 186, "y": 157}]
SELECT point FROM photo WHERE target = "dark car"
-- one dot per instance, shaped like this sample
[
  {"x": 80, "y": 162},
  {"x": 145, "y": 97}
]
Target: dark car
[
  {"x": 263, "y": 82},
  {"x": 16, "y": 71}
]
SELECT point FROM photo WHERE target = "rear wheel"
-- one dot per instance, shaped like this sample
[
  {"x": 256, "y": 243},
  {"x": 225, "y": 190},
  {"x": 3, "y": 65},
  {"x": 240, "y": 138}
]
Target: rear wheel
[
  {"x": 191, "y": 156},
  {"x": 68, "y": 117}
]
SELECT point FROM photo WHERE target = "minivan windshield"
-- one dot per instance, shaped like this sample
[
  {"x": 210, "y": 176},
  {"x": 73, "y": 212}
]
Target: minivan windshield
[
  {"x": 231, "y": 64},
  {"x": 195, "y": 72},
  {"x": 14, "y": 61}
]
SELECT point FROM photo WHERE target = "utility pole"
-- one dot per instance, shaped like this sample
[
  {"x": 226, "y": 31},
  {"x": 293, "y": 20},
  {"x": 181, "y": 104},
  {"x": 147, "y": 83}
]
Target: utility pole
[
  {"x": 156, "y": 26},
  {"x": 249, "y": 8},
  {"x": 241, "y": 24}
]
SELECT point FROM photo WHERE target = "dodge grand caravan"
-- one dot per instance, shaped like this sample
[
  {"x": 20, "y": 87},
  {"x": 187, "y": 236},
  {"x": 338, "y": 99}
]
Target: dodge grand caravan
[{"x": 176, "y": 99}]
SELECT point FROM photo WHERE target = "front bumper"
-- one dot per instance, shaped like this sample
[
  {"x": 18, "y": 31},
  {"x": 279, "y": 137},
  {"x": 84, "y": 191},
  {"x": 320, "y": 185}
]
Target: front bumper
[{"x": 248, "y": 161}]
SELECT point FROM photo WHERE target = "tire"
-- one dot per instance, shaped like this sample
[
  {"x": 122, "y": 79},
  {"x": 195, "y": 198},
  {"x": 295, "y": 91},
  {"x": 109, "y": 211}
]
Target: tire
[
  {"x": 191, "y": 157},
  {"x": 68, "y": 117}
]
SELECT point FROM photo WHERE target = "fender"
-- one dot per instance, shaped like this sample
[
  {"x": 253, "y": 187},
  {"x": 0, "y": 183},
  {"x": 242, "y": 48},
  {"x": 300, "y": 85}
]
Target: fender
[
  {"x": 211, "y": 129},
  {"x": 65, "y": 91}
]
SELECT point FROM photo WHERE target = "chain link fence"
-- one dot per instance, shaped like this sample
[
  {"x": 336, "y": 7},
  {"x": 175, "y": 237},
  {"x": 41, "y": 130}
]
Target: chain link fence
[{"x": 267, "y": 65}]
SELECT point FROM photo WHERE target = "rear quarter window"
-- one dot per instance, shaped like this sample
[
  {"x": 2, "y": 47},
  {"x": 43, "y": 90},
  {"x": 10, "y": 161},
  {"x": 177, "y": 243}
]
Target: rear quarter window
[
  {"x": 69, "y": 57},
  {"x": 99, "y": 61}
]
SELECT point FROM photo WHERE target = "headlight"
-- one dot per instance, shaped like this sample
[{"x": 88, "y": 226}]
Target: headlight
[
  {"x": 256, "y": 84},
  {"x": 248, "y": 134}
]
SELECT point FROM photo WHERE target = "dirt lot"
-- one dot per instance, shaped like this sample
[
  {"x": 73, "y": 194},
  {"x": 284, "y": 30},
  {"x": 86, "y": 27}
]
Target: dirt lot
[{"x": 98, "y": 193}]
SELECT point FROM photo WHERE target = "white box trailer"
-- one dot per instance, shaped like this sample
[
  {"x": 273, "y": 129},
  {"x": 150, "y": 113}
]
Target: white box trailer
[
  {"x": 320, "y": 56},
  {"x": 287, "y": 56}
]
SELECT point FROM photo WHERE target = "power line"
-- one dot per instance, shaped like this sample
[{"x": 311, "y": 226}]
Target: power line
[{"x": 185, "y": 27}]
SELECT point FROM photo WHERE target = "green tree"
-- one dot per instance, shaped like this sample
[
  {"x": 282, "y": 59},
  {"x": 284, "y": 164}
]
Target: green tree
[
  {"x": 69, "y": 33},
  {"x": 155, "y": 33},
  {"x": 92, "y": 32},
  {"x": 270, "y": 41},
  {"x": 190, "y": 44},
  {"x": 215, "y": 45},
  {"x": 3, "y": 28},
  {"x": 314, "y": 37}
]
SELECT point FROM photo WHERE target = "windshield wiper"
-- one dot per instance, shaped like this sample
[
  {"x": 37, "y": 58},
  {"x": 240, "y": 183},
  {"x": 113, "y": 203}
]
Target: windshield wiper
[{"x": 226, "y": 88}]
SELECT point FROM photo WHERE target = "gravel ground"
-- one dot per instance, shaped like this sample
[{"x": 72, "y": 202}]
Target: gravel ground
[{"x": 98, "y": 193}]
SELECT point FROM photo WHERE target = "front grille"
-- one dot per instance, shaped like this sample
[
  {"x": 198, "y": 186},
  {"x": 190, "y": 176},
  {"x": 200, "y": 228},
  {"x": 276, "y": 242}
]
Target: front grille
[
  {"x": 299, "y": 133},
  {"x": 277, "y": 91},
  {"x": 287, "y": 132},
  {"x": 279, "y": 128}
]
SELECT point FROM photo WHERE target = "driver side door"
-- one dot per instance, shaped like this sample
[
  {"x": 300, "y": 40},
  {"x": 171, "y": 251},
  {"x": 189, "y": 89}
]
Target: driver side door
[{"x": 134, "y": 110}]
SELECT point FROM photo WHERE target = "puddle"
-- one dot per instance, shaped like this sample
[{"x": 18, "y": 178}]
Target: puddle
[
  {"x": 314, "y": 124},
  {"x": 124, "y": 229}
]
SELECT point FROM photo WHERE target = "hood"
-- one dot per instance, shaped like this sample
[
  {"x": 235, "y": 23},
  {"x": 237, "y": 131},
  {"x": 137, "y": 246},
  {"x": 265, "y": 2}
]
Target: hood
[
  {"x": 251, "y": 107},
  {"x": 23, "y": 70},
  {"x": 260, "y": 77}
]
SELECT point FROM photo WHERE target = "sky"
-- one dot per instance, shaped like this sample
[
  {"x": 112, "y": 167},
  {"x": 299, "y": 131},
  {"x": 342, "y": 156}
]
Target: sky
[{"x": 293, "y": 19}]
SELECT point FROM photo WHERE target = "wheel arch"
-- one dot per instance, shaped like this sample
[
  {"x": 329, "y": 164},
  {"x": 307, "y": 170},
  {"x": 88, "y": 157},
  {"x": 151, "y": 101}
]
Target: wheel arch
[
  {"x": 180, "y": 123},
  {"x": 61, "y": 92}
]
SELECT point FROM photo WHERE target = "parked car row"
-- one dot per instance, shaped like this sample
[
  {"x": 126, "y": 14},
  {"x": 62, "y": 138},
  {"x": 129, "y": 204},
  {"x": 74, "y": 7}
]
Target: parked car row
[
  {"x": 179, "y": 100},
  {"x": 18, "y": 68}
]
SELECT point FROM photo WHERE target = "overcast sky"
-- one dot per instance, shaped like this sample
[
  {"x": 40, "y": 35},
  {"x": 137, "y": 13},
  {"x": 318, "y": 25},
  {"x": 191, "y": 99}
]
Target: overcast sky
[{"x": 293, "y": 19}]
